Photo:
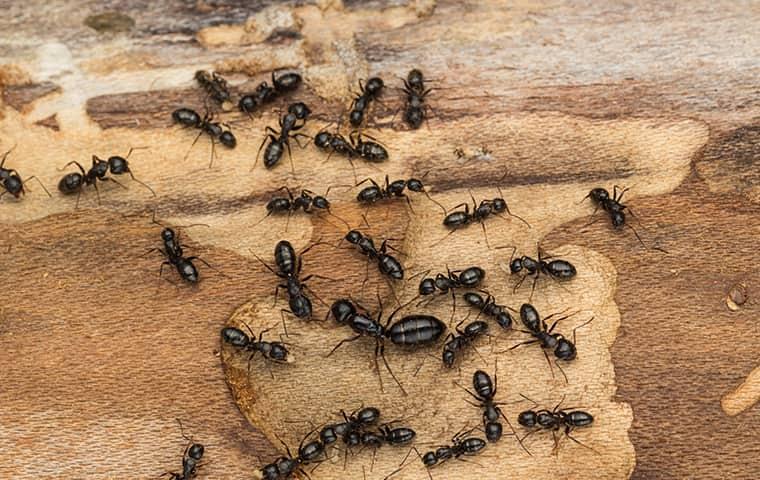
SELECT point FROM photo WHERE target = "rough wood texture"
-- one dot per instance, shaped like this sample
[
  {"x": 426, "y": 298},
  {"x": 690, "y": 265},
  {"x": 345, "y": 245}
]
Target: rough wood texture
[{"x": 100, "y": 356}]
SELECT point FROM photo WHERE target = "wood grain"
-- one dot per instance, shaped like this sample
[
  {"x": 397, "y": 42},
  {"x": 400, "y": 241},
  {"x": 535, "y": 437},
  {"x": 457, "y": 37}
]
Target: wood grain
[{"x": 100, "y": 356}]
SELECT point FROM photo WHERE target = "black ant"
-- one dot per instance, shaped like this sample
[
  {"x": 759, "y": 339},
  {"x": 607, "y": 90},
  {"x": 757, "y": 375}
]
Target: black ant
[
  {"x": 354, "y": 146},
  {"x": 386, "y": 263},
  {"x": 191, "y": 119},
  {"x": 11, "y": 180},
  {"x": 415, "y": 109},
  {"x": 284, "y": 467},
  {"x": 175, "y": 257},
  {"x": 370, "y": 91},
  {"x": 410, "y": 331},
  {"x": 563, "y": 348},
  {"x": 286, "y": 82},
  {"x": 278, "y": 141},
  {"x": 555, "y": 420},
  {"x": 288, "y": 269},
  {"x": 350, "y": 429},
  {"x": 464, "y": 337},
  {"x": 75, "y": 182},
  {"x": 486, "y": 208},
  {"x": 190, "y": 460},
  {"x": 276, "y": 352},
  {"x": 307, "y": 201},
  {"x": 395, "y": 436},
  {"x": 461, "y": 445},
  {"x": 215, "y": 86},
  {"x": 557, "y": 269},
  {"x": 470, "y": 277},
  {"x": 394, "y": 189},
  {"x": 489, "y": 307}
]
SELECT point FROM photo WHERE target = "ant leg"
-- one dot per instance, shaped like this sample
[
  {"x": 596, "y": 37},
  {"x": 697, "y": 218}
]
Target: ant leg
[
  {"x": 581, "y": 326},
  {"x": 506, "y": 209},
  {"x": 444, "y": 238},
  {"x": 207, "y": 264},
  {"x": 107, "y": 179},
  {"x": 557, "y": 321},
  {"x": 522, "y": 279},
  {"x": 533, "y": 287},
  {"x": 385, "y": 360},
  {"x": 485, "y": 234},
  {"x": 73, "y": 162},
  {"x": 550, "y": 363},
  {"x": 41, "y": 185},
  {"x": 193, "y": 144},
  {"x": 142, "y": 183},
  {"x": 567, "y": 434},
  {"x": 345, "y": 340},
  {"x": 561, "y": 370},
  {"x": 527, "y": 342}
]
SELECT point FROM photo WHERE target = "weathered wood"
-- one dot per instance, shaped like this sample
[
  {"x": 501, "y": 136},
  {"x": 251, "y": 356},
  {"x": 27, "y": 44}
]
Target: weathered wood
[{"x": 100, "y": 356}]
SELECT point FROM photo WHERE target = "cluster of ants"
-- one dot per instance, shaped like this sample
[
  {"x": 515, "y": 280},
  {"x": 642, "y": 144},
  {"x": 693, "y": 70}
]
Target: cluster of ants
[{"x": 415, "y": 331}]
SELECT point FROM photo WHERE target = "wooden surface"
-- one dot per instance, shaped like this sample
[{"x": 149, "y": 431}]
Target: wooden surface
[{"x": 100, "y": 356}]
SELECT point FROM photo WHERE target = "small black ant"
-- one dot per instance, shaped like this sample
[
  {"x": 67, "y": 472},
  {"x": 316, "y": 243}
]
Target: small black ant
[
  {"x": 75, "y": 182},
  {"x": 175, "y": 257},
  {"x": 11, "y": 180},
  {"x": 464, "y": 337},
  {"x": 554, "y": 420},
  {"x": 489, "y": 307},
  {"x": 190, "y": 460},
  {"x": 394, "y": 189},
  {"x": 355, "y": 146},
  {"x": 410, "y": 331},
  {"x": 349, "y": 430},
  {"x": 286, "y": 82},
  {"x": 276, "y": 352},
  {"x": 386, "y": 263},
  {"x": 415, "y": 109},
  {"x": 563, "y": 348},
  {"x": 284, "y": 467},
  {"x": 370, "y": 91},
  {"x": 289, "y": 268},
  {"x": 557, "y": 269},
  {"x": 307, "y": 201},
  {"x": 470, "y": 277},
  {"x": 395, "y": 436},
  {"x": 486, "y": 208},
  {"x": 191, "y": 119},
  {"x": 215, "y": 86},
  {"x": 460, "y": 445},
  {"x": 278, "y": 141}
]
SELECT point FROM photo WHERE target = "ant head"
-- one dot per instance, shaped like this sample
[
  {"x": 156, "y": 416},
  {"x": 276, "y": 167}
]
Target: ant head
[
  {"x": 527, "y": 419},
  {"x": 235, "y": 337},
  {"x": 354, "y": 236},
  {"x": 118, "y": 165},
  {"x": 268, "y": 472},
  {"x": 448, "y": 357},
  {"x": 415, "y": 185},
  {"x": 228, "y": 139},
  {"x": 321, "y": 203},
  {"x": 14, "y": 185},
  {"x": 565, "y": 349},
  {"x": 322, "y": 139},
  {"x": 499, "y": 204},
  {"x": 618, "y": 218},
  {"x": 300, "y": 110},
  {"x": 167, "y": 234},
  {"x": 516, "y": 265},
  {"x": 427, "y": 286},
  {"x": 196, "y": 451},
  {"x": 415, "y": 79},
  {"x": 374, "y": 85},
  {"x": 247, "y": 103},
  {"x": 99, "y": 167},
  {"x": 599, "y": 194}
]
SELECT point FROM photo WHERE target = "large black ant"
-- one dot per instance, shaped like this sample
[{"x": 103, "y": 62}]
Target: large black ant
[
  {"x": 307, "y": 201},
  {"x": 368, "y": 92},
  {"x": 276, "y": 352},
  {"x": 394, "y": 189},
  {"x": 410, "y": 331},
  {"x": 191, "y": 119},
  {"x": 415, "y": 109},
  {"x": 554, "y": 420},
  {"x": 264, "y": 93},
  {"x": 463, "y": 338},
  {"x": 489, "y": 307},
  {"x": 215, "y": 86},
  {"x": 11, "y": 180},
  {"x": 557, "y": 269},
  {"x": 563, "y": 348},
  {"x": 470, "y": 277},
  {"x": 278, "y": 141},
  {"x": 190, "y": 460},
  {"x": 283, "y": 467},
  {"x": 289, "y": 268},
  {"x": 75, "y": 182},
  {"x": 486, "y": 208}
]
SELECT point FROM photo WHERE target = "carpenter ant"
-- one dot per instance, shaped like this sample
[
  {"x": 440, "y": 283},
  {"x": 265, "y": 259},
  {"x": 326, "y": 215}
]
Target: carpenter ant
[
  {"x": 350, "y": 429},
  {"x": 458, "y": 219},
  {"x": 465, "y": 337},
  {"x": 75, "y": 182},
  {"x": 284, "y": 467},
  {"x": 386, "y": 263},
  {"x": 563, "y": 348},
  {"x": 411, "y": 331},
  {"x": 415, "y": 109},
  {"x": 555, "y": 420},
  {"x": 556, "y": 269},
  {"x": 286, "y": 82},
  {"x": 175, "y": 257},
  {"x": 394, "y": 189},
  {"x": 11, "y": 182},
  {"x": 276, "y": 352},
  {"x": 288, "y": 269},
  {"x": 307, "y": 201},
  {"x": 191, "y": 119},
  {"x": 278, "y": 141},
  {"x": 190, "y": 460},
  {"x": 370, "y": 91},
  {"x": 468, "y": 278},
  {"x": 490, "y": 308},
  {"x": 355, "y": 146},
  {"x": 386, "y": 435},
  {"x": 215, "y": 86},
  {"x": 460, "y": 445}
]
